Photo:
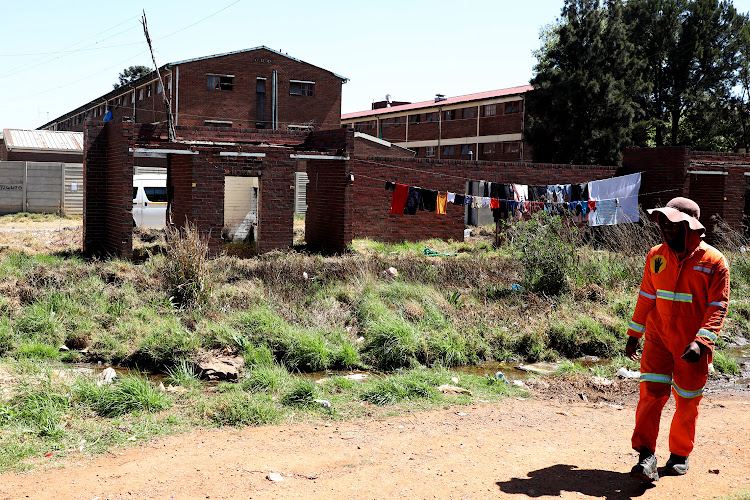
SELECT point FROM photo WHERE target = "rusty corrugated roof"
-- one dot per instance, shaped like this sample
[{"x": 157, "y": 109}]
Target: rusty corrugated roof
[
  {"x": 432, "y": 104},
  {"x": 43, "y": 140}
]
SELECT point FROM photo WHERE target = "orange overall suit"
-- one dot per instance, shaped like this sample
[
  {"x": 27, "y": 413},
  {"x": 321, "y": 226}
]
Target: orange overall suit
[{"x": 680, "y": 301}]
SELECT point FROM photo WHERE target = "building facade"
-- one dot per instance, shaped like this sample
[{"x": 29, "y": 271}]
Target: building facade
[
  {"x": 256, "y": 88},
  {"x": 484, "y": 126}
]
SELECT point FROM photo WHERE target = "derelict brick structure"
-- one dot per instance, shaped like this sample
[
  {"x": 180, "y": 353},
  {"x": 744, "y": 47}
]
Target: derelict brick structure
[
  {"x": 197, "y": 165},
  {"x": 718, "y": 182},
  {"x": 108, "y": 181},
  {"x": 340, "y": 209}
]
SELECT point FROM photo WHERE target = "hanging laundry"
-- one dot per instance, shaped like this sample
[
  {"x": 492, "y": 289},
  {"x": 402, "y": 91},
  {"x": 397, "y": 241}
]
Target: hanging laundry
[
  {"x": 451, "y": 197},
  {"x": 459, "y": 199},
  {"x": 485, "y": 202},
  {"x": 625, "y": 189},
  {"x": 606, "y": 213},
  {"x": 468, "y": 199},
  {"x": 390, "y": 186},
  {"x": 592, "y": 205},
  {"x": 427, "y": 202},
  {"x": 398, "y": 199},
  {"x": 477, "y": 202},
  {"x": 520, "y": 192},
  {"x": 413, "y": 200},
  {"x": 537, "y": 193},
  {"x": 494, "y": 204},
  {"x": 441, "y": 202}
]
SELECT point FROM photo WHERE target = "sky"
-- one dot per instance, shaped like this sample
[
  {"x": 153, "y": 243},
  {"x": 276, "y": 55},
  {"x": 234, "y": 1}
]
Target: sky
[{"x": 55, "y": 56}]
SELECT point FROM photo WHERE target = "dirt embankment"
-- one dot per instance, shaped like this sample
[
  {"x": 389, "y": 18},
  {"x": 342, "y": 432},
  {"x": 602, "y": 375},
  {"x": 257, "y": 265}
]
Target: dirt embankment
[{"x": 545, "y": 447}]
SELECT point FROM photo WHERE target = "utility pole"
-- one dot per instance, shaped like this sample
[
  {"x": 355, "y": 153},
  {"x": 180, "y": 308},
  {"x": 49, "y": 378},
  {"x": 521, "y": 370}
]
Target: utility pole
[{"x": 167, "y": 104}]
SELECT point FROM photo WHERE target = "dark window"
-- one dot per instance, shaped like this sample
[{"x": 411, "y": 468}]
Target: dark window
[
  {"x": 260, "y": 103},
  {"x": 301, "y": 88},
  {"x": 450, "y": 114},
  {"x": 260, "y": 86},
  {"x": 413, "y": 119},
  {"x": 218, "y": 82},
  {"x": 148, "y": 91},
  {"x": 156, "y": 194},
  {"x": 448, "y": 151},
  {"x": 209, "y": 123},
  {"x": 512, "y": 107},
  {"x": 488, "y": 148},
  {"x": 511, "y": 147},
  {"x": 490, "y": 110},
  {"x": 431, "y": 117},
  {"x": 468, "y": 112},
  {"x": 466, "y": 149},
  {"x": 429, "y": 151},
  {"x": 398, "y": 121},
  {"x": 385, "y": 122},
  {"x": 135, "y": 193}
]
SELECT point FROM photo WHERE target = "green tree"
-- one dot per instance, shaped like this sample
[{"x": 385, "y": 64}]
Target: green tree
[
  {"x": 131, "y": 74},
  {"x": 586, "y": 84},
  {"x": 690, "y": 51}
]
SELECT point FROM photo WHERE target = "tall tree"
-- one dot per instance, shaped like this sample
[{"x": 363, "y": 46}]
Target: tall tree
[
  {"x": 690, "y": 50},
  {"x": 586, "y": 83},
  {"x": 131, "y": 74}
]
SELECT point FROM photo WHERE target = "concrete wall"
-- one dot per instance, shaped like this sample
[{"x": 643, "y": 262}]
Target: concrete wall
[{"x": 37, "y": 187}]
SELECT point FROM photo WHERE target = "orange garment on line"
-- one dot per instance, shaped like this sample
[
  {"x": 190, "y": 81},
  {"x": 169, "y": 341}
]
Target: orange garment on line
[
  {"x": 441, "y": 203},
  {"x": 680, "y": 301}
]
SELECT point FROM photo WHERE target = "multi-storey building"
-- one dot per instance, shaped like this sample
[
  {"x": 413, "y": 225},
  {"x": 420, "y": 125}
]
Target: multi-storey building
[
  {"x": 484, "y": 126},
  {"x": 251, "y": 88}
]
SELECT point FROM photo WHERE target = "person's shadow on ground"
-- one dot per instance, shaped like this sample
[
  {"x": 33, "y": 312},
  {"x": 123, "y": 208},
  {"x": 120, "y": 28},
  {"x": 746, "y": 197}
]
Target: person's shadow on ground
[{"x": 593, "y": 482}]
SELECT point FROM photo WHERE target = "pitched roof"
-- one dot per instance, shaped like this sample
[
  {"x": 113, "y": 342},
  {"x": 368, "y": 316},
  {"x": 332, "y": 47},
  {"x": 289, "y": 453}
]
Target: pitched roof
[
  {"x": 43, "y": 140},
  {"x": 151, "y": 76},
  {"x": 432, "y": 104}
]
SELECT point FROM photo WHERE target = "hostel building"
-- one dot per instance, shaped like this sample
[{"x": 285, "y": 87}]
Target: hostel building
[
  {"x": 256, "y": 88},
  {"x": 484, "y": 126}
]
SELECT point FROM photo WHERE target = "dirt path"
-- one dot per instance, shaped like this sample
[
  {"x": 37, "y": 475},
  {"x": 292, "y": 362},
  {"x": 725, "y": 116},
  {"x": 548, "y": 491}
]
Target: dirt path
[{"x": 516, "y": 449}]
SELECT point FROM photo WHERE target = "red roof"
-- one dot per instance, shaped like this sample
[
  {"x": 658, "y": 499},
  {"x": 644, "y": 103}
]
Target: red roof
[{"x": 431, "y": 104}]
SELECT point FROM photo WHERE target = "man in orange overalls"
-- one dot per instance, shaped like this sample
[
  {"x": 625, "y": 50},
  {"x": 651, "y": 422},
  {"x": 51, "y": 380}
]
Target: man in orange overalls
[{"x": 681, "y": 307}]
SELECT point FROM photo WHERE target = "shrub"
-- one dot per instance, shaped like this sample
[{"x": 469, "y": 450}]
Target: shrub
[
  {"x": 266, "y": 378},
  {"x": 584, "y": 337},
  {"x": 724, "y": 363},
  {"x": 40, "y": 408},
  {"x": 394, "y": 342},
  {"x": 544, "y": 246},
  {"x": 184, "y": 374}
]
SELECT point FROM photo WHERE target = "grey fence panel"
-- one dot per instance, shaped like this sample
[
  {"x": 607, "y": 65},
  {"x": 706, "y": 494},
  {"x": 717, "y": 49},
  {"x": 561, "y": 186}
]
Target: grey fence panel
[
  {"x": 73, "y": 189},
  {"x": 44, "y": 181},
  {"x": 11, "y": 186}
]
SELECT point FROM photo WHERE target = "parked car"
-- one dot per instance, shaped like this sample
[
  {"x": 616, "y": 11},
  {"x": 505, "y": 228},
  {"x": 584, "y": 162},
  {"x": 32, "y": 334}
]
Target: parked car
[{"x": 150, "y": 200}]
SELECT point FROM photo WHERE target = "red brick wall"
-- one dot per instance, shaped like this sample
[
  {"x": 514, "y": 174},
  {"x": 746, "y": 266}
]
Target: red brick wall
[
  {"x": 662, "y": 172},
  {"x": 328, "y": 222},
  {"x": 198, "y": 103},
  {"x": 108, "y": 181},
  {"x": 366, "y": 203}
]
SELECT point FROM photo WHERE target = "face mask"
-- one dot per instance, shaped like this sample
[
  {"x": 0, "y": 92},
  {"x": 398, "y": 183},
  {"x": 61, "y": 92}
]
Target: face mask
[{"x": 674, "y": 233}]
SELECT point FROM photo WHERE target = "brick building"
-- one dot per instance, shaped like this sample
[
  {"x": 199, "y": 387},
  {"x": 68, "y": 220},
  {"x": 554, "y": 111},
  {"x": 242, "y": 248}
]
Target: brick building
[
  {"x": 718, "y": 182},
  {"x": 256, "y": 88},
  {"x": 484, "y": 126}
]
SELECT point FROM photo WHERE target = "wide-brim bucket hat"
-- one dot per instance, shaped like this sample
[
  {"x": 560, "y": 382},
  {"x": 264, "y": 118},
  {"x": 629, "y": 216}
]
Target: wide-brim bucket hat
[{"x": 678, "y": 210}]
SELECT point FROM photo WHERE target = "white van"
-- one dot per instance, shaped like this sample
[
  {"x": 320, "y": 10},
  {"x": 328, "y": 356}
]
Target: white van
[{"x": 150, "y": 200}]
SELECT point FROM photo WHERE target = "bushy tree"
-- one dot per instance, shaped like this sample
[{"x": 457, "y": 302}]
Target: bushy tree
[
  {"x": 131, "y": 74},
  {"x": 586, "y": 86},
  {"x": 690, "y": 50}
]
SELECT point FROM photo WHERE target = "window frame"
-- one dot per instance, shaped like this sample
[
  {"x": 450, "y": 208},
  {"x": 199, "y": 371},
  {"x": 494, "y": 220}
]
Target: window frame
[
  {"x": 489, "y": 107},
  {"x": 302, "y": 88},
  {"x": 221, "y": 82},
  {"x": 512, "y": 107}
]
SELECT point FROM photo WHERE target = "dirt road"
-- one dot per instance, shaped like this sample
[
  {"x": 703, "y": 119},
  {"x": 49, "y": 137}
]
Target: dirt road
[{"x": 532, "y": 448}]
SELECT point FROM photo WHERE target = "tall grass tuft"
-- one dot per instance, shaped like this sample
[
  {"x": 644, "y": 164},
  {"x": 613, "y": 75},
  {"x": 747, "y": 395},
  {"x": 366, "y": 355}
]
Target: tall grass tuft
[
  {"x": 186, "y": 266},
  {"x": 409, "y": 385},
  {"x": 238, "y": 409},
  {"x": 302, "y": 394},
  {"x": 130, "y": 394},
  {"x": 40, "y": 408},
  {"x": 183, "y": 374}
]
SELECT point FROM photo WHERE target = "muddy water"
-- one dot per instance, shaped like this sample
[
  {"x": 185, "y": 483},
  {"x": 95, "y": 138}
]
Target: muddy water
[{"x": 510, "y": 371}]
